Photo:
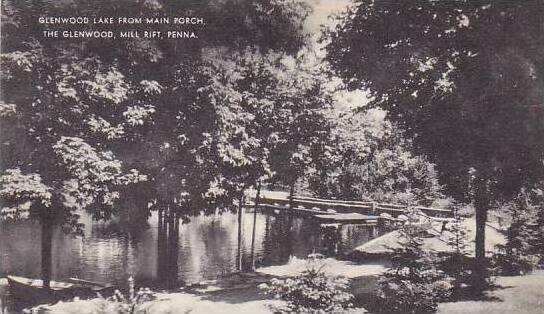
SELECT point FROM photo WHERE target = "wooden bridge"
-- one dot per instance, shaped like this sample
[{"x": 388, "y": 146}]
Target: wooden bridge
[{"x": 338, "y": 211}]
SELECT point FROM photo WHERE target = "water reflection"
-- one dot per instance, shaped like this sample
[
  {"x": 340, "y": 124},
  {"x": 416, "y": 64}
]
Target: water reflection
[{"x": 162, "y": 252}]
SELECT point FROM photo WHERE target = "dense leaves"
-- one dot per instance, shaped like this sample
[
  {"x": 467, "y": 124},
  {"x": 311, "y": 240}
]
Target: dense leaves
[
  {"x": 23, "y": 190},
  {"x": 451, "y": 74},
  {"x": 196, "y": 118},
  {"x": 367, "y": 158},
  {"x": 57, "y": 126}
]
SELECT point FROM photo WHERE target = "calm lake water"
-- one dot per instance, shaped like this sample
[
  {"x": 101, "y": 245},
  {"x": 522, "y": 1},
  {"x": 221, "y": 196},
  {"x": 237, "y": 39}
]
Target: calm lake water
[{"x": 207, "y": 247}]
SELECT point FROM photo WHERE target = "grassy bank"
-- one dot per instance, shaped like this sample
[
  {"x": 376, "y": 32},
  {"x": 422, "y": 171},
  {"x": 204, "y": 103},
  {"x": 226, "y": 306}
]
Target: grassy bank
[{"x": 519, "y": 294}]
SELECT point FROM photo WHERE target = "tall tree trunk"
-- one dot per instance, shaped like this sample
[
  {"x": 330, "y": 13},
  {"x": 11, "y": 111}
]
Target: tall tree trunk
[
  {"x": 172, "y": 248},
  {"x": 257, "y": 198},
  {"x": 481, "y": 204},
  {"x": 47, "y": 255}
]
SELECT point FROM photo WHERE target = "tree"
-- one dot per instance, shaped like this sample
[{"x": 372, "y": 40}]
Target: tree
[
  {"x": 65, "y": 163},
  {"x": 464, "y": 81},
  {"x": 267, "y": 109},
  {"x": 271, "y": 113},
  {"x": 62, "y": 111}
]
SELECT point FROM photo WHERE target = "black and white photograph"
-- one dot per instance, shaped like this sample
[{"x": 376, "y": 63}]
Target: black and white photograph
[{"x": 271, "y": 156}]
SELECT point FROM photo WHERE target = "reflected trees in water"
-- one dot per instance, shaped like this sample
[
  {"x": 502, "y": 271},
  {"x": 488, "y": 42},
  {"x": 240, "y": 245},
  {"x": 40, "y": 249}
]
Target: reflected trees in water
[{"x": 168, "y": 246}]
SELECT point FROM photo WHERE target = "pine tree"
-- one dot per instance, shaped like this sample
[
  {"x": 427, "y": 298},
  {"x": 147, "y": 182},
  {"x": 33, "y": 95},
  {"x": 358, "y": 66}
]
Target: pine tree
[
  {"x": 414, "y": 284},
  {"x": 516, "y": 256},
  {"x": 457, "y": 263}
]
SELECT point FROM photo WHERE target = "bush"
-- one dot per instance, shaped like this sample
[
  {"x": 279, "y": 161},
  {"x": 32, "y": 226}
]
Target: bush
[
  {"x": 312, "y": 291},
  {"x": 513, "y": 262},
  {"x": 396, "y": 295},
  {"x": 126, "y": 304},
  {"x": 459, "y": 269}
]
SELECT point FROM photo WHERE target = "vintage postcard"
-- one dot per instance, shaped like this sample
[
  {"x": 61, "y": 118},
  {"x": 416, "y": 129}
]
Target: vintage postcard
[{"x": 271, "y": 156}]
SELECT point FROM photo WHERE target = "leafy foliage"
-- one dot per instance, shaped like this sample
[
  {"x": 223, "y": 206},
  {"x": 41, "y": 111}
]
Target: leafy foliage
[
  {"x": 22, "y": 190},
  {"x": 427, "y": 72},
  {"x": 268, "y": 113},
  {"x": 537, "y": 200},
  {"x": 84, "y": 116},
  {"x": 369, "y": 159}
]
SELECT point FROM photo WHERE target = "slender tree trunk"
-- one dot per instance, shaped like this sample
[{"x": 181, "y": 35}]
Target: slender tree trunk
[
  {"x": 323, "y": 191},
  {"x": 239, "y": 255},
  {"x": 257, "y": 197},
  {"x": 47, "y": 256},
  {"x": 481, "y": 204},
  {"x": 166, "y": 225},
  {"x": 159, "y": 218},
  {"x": 292, "y": 193},
  {"x": 161, "y": 245},
  {"x": 266, "y": 229},
  {"x": 171, "y": 270}
]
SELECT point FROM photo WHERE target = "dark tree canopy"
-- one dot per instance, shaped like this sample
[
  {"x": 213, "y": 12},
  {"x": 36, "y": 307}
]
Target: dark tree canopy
[{"x": 464, "y": 78}]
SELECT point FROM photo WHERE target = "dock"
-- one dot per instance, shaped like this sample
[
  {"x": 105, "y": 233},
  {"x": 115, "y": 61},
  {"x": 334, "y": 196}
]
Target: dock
[{"x": 347, "y": 218}]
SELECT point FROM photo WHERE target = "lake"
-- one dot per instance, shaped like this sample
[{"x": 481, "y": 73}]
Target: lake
[{"x": 206, "y": 247}]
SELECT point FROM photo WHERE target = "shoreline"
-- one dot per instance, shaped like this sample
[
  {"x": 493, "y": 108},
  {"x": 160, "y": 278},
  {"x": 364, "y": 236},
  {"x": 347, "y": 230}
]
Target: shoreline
[
  {"x": 236, "y": 292},
  {"x": 517, "y": 294}
]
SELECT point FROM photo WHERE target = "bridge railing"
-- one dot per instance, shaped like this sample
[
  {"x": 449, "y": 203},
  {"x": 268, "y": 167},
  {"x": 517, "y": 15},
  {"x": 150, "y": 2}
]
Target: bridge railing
[{"x": 364, "y": 207}]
